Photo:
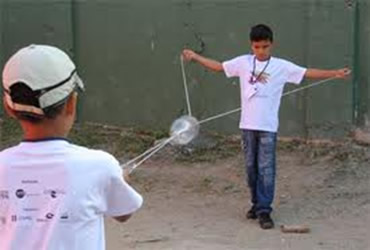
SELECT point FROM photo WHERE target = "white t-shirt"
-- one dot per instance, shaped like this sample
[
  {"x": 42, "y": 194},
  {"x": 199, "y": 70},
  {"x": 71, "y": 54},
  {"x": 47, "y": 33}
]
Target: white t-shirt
[
  {"x": 54, "y": 196},
  {"x": 260, "y": 101}
]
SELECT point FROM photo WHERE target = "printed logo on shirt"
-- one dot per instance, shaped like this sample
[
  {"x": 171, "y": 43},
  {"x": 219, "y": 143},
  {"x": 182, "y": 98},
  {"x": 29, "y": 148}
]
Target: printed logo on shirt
[
  {"x": 54, "y": 193},
  {"x": 15, "y": 218},
  {"x": 261, "y": 77},
  {"x": 34, "y": 194},
  {"x": 31, "y": 209},
  {"x": 49, "y": 216},
  {"x": 4, "y": 195},
  {"x": 20, "y": 193},
  {"x": 30, "y": 181},
  {"x": 64, "y": 216},
  {"x": 3, "y": 220}
]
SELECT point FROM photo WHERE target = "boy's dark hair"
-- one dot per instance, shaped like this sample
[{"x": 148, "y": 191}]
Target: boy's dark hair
[
  {"x": 22, "y": 94},
  {"x": 261, "y": 32}
]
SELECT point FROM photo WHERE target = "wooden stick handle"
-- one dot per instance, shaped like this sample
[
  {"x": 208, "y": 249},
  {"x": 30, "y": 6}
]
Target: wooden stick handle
[{"x": 295, "y": 229}]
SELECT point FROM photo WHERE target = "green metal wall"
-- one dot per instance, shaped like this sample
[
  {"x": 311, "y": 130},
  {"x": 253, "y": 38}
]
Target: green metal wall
[
  {"x": 128, "y": 55},
  {"x": 362, "y": 62},
  {"x": 23, "y": 22}
]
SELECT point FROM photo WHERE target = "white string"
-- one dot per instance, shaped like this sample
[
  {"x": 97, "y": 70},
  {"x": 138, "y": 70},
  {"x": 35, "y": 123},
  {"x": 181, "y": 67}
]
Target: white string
[
  {"x": 142, "y": 155},
  {"x": 162, "y": 145},
  {"x": 219, "y": 115},
  {"x": 308, "y": 86},
  {"x": 185, "y": 85},
  {"x": 284, "y": 94},
  {"x": 150, "y": 152}
]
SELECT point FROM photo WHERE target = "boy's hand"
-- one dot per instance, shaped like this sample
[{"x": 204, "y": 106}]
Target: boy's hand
[
  {"x": 188, "y": 54},
  {"x": 126, "y": 174},
  {"x": 342, "y": 73},
  {"x": 208, "y": 63}
]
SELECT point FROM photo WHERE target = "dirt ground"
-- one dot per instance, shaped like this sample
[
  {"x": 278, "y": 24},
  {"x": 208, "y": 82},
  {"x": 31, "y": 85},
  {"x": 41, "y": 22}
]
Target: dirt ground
[
  {"x": 196, "y": 198},
  {"x": 202, "y": 205}
]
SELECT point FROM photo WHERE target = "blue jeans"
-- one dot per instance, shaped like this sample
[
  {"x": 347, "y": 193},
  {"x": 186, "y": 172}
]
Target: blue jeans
[{"x": 260, "y": 164}]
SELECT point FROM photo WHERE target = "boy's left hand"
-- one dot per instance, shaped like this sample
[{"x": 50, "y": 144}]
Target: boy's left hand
[
  {"x": 342, "y": 73},
  {"x": 126, "y": 174}
]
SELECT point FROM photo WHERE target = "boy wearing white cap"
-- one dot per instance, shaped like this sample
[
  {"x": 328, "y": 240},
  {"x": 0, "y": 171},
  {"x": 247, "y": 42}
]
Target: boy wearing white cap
[{"x": 54, "y": 194}]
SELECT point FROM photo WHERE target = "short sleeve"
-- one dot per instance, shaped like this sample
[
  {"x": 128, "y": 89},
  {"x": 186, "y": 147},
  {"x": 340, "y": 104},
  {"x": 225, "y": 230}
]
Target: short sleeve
[
  {"x": 233, "y": 67},
  {"x": 295, "y": 73},
  {"x": 121, "y": 198}
]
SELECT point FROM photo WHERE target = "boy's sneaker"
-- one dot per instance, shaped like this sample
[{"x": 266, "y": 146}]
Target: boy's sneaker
[
  {"x": 265, "y": 221},
  {"x": 251, "y": 214}
]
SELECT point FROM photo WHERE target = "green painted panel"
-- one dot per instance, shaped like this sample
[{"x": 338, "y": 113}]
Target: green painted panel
[
  {"x": 129, "y": 51},
  {"x": 330, "y": 45},
  {"x": 128, "y": 55},
  {"x": 39, "y": 22},
  {"x": 364, "y": 61}
]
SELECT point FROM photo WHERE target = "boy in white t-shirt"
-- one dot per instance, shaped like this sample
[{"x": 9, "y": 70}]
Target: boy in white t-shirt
[
  {"x": 262, "y": 79},
  {"x": 54, "y": 194}
]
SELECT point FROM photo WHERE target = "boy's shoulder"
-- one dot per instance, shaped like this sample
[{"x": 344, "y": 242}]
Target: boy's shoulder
[
  {"x": 95, "y": 155},
  {"x": 281, "y": 60},
  {"x": 248, "y": 58},
  {"x": 241, "y": 57},
  {"x": 92, "y": 160},
  {"x": 245, "y": 56},
  {"x": 4, "y": 153},
  {"x": 69, "y": 151}
]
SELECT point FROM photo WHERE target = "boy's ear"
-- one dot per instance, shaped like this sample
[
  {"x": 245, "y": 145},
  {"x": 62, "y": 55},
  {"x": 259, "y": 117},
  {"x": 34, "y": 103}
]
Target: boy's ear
[
  {"x": 8, "y": 110},
  {"x": 71, "y": 104}
]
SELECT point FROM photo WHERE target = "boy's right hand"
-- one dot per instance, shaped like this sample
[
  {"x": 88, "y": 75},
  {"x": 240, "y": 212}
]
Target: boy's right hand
[
  {"x": 342, "y": 73},
  {"x": 208, "y": 63},
  {"x": 188, "y": 54}
]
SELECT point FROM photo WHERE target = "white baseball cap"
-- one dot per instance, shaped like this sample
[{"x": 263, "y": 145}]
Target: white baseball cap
[{"x": 47, "y": 71}]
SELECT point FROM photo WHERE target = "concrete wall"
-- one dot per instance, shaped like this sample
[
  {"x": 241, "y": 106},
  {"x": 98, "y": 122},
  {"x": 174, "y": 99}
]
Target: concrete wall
[{"x": 128, "y": 54}]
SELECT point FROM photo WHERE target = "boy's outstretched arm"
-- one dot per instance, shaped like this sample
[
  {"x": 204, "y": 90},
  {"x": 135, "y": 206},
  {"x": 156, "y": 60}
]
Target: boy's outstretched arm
[
  {"x": 322, "y": 74},
  {"x": 208, "y": 63}
]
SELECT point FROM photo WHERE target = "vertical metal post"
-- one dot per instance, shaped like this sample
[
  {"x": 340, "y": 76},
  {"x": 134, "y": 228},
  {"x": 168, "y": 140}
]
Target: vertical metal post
[
  {"x": 4, "y": 8},
  {"x": 75, "y": 48},
  {"x": 355, "y": 66},
  {"x": 306, "y": 47}
]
